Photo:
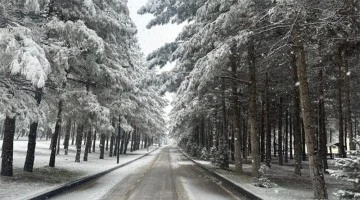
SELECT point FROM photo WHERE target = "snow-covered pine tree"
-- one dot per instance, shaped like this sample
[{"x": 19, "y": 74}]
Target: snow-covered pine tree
[
  {"x": 80, "y": 58},
  {"x": 264, "y": 34},
  {"x": 80, "y": 47},
  {"x": 25, "y": 71},
  {"x": 203, "y": 44},
  {"x": 79, "y": 40},
  {"x": 174, "y": 11},
  {"x": 109, "y": 67}
]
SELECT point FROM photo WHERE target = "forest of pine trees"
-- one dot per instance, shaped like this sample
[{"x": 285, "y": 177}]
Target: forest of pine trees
[
  {"x": 73, "y": 70},
  {"x": 263, "y": 82},
  {"x": 258, "y": 79}
]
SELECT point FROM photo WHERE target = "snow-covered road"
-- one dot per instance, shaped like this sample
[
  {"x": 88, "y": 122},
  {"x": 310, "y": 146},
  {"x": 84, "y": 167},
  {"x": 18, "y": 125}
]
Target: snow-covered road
[{"x": 163, "y": 174}]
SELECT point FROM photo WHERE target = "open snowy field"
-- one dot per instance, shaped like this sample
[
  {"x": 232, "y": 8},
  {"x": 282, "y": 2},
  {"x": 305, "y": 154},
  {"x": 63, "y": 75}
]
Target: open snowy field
[{"x": 23, "y": 184}]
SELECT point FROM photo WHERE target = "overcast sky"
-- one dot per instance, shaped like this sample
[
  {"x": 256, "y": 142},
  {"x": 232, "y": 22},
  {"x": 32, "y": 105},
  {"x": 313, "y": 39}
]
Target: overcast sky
[{"x": 151, "y": 39}]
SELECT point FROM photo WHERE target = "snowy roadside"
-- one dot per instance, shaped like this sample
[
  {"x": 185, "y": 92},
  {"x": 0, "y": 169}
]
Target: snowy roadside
[
  {"x": 44, "y": 178},
  {"x": 289, "y": 185}
]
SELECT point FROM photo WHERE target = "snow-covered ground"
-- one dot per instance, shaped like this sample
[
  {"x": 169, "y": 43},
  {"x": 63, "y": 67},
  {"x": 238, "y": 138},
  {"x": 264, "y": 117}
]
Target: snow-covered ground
[
  {"x": 289, "y": 185},
  {"x": 24, "y": 184}
]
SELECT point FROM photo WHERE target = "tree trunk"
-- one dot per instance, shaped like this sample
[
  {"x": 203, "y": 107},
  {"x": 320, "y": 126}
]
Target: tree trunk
[
  {"x": 236, "y": 121},
  {"x": 111, "y": 145},
  {"x": 330, "y": 138},
  {"x": 84, "y": 140},
  {"x": 216, "y": 127},
  {"x": 122, "y": 142},
  {"x": 348, "y": 105},
  {"x": 146, "y": 141},
  {"x": 197, "y": 132},
  {"x": 79, "y": 135},
  {"x": 88, "y": 144},
  {"x": 56, "y": 134},
  {"x": 296, "y": 120},
  {"x": 341, "y": 147},
  {"x": 94, "y": 141},
  {"x": 139, "y": 141},
  {"x": 127, "y": 141},
  {"x": 274, "y": 139},
  {"x": 107, "y": 142},
  {"x": 315, "y": 164},
  {"x": 2, "y": 129},
  {"x": 117, "y": 148},
  {"x": 345, "y": 135},
  {"x": 102, "y": 145},
  {"x": 58, "y": 143},
  {"x": 210, "y": 134},
  {"x": 291, "y": 136},
  {"x": 351, "y": 10},
  {"x": 286, "y": 153},
  {"x": 244, "y": 138},
  {"x": 118, "y": 143},
  {"x": 135, "y": 139},
  {"x": 249, "y": 139},
  {"x": 49, "y": 135},
  {"x": 262, "y": 132},
  {"x": 73, "y": 133},
  {"x": 30, "y": 154},
  {"x": 303, "y": 142},
  {"x": 2, "y": 152},
  {"x": 116, "y": 140},
  {"x": 8, "y": 147},
  {"x": 267, "y": 123},
  {"x": 223, "y": 138},
  {"x": 207, "y": 135},
  {"x": 321, "y": 124},
  {"x": 280, "y": 136},
  {"x": 132, "y": 142},
  {"x": 67, "y": 136},
  {"x": 255, "y": 143},
  {"x": 355, "y": 129},
  {"x": 202, "y": 131}
]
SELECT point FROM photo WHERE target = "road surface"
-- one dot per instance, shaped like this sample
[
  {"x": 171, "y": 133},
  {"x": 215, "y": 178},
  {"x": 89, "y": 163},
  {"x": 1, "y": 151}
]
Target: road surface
[{"x": 162, "y": 175}]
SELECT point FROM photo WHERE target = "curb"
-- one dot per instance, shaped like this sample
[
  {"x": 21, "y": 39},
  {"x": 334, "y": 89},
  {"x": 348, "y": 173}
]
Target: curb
[
  {"x": 226, "y": 182},
  {"x": 70, "y": 185}
]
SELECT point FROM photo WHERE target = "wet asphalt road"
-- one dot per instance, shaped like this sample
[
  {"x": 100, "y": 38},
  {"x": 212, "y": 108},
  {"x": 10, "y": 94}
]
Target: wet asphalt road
[{"x": 163, "y": 175}]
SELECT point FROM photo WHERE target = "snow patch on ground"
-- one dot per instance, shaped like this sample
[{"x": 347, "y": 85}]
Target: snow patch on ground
[
  {"x": 290, "y": 185},
  {"x": 44, "y": 178}
]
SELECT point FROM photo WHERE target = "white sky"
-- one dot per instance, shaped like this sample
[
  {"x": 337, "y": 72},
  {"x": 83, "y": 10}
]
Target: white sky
[{"x": 152, "y": 39}]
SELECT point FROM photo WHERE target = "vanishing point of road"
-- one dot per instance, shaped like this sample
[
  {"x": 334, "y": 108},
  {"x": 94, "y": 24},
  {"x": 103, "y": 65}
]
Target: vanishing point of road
[{"x": 165, "y": 174}]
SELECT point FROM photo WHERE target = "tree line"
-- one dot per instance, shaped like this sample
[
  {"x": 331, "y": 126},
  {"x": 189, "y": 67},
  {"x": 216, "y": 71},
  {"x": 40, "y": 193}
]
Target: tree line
[
  {"x": 263, "y": 79},
  {"x": 74, "y": 69}
]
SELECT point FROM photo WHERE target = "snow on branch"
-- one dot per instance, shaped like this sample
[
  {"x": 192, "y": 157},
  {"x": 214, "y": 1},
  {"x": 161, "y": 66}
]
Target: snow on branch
[
  {"x": 77, "y": 35},
  {"x": 24, "y": 56}
]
